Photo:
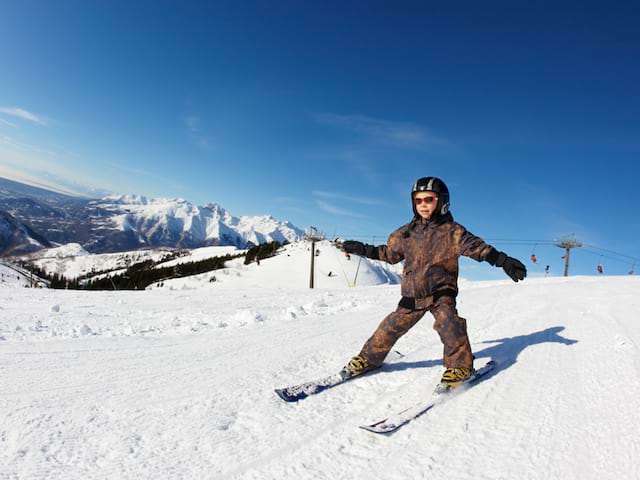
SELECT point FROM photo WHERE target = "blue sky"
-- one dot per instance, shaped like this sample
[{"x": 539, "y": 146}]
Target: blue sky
[{"x": 324, "y": 113}]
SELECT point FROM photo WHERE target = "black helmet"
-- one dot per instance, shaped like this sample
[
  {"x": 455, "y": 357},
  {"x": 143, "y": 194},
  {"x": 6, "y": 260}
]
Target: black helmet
[{"x": 432, "y": 184}]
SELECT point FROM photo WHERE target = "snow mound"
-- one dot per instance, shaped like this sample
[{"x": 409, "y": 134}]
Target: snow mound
[{"x": 290, "y": 269}]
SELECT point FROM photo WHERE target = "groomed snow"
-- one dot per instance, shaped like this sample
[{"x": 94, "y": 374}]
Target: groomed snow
[{"x": 178, "y": 384}]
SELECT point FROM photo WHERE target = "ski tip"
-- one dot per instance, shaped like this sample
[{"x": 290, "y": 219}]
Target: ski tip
[
  {"x": 282, "y": 393},
  {"x": 386, "y": 429},
  {"x": 490, "y": 365}
]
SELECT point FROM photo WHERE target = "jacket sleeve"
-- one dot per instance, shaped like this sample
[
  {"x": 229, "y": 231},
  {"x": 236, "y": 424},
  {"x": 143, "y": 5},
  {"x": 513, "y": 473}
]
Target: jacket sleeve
[
  {"x": 392, "y": 252},
  {"x": 472, "y": 246}
]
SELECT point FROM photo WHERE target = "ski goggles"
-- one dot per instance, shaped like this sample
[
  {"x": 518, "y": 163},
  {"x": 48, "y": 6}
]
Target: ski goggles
[{"x": 418, "y": 200}]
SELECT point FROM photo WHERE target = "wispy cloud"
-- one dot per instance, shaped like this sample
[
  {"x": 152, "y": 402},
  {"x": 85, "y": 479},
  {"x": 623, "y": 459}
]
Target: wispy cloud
[
  {"x": 43, "y": 166},
  {"x": 38, "y": 173},
  {"x": 33, "y": 180},
  {"x": 192, "y": 124},
  {"x": 396, "y": 134},
  {"x": 24, "y": 115},
  {"x": 349, "y": 198},
  {"x": 5, "y": 122},
  {"x": 10, "y": 142},
  {"x": 330, "y": 208}
]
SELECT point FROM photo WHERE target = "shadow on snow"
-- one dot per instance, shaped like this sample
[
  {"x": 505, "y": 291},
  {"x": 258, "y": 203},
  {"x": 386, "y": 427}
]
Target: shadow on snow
[{"x": 505, "y": 353}]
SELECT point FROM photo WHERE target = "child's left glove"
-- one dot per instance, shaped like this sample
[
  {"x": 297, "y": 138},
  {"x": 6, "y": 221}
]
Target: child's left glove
[{"x": 512, "y": 266}]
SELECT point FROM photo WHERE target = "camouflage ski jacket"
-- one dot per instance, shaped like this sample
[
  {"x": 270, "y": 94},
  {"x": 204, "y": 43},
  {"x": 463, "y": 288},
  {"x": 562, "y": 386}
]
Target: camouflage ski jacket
[{"x": 430, "y": 252}]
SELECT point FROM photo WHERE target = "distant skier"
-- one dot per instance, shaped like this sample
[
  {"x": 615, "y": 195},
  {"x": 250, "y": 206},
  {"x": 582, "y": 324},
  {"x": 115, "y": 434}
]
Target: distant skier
[{"x": 430, "y": 246}]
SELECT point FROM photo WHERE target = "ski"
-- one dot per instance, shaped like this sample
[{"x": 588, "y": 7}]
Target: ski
[
  {"x": 295, "y": 393},
  {"x": 397, "y": 420},
  {"x": 299, "y": 392}
]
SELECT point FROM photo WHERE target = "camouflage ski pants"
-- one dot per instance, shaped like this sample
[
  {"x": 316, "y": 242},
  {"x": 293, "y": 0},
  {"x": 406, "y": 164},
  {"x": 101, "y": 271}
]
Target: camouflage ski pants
[{"x": 451, "y": 328}]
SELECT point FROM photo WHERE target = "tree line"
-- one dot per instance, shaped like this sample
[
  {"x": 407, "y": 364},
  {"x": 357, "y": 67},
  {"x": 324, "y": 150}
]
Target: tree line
[{"x": 140, "y": 275}]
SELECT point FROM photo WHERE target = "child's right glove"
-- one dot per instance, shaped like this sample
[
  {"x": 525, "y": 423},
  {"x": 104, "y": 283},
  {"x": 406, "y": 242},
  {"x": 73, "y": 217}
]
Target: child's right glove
[
  {"x": 351, "y": 246},
  {"x": 512, "y": 266},
  {"x": 359, "y": 248}
]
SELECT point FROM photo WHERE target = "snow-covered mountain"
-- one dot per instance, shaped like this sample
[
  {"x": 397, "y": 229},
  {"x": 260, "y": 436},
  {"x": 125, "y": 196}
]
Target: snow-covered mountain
[
  {"x": 176, "y": 222},
  {"x": 16, "y": 237},
  {"x": 126, "y": 222}
]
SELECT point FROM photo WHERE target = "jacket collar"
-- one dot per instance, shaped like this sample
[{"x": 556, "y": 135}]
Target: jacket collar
[{"x": 436, "y": 220}]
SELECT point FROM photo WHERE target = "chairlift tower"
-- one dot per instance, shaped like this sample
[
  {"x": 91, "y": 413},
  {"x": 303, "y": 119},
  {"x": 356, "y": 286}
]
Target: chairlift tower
[
  {"x": 313, "y": 235},
  {"x": 567, "y": 244}
]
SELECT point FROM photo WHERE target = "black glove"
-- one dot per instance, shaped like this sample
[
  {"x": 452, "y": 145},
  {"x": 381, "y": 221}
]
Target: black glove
[
  {"x": 512, "y": 266},
  {"x": 359, "y": 248},
  {"x": 351, "y": 246}
]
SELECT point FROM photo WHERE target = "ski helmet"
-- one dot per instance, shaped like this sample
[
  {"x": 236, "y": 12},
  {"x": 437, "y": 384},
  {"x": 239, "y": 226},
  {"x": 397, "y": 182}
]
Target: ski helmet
[{"x": 432, "y": 184}]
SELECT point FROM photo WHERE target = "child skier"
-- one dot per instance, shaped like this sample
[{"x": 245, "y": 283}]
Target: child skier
[{"x": 430, "y": 246}]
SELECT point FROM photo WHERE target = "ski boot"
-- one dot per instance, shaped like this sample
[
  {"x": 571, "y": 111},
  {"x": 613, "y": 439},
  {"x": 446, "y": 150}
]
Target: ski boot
[
  {"x": 454, "y": 377},
  {"x": 356, "y": 366}
]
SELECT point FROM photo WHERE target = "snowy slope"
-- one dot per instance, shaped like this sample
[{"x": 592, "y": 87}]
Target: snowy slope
[
  {"x": 9, "y": 277},
  {"x": 178, "y": 384},
  {"x": 199, "y": 254},
  {"x": 72, "y": 260},
  {"x": 290, "y": 269}
]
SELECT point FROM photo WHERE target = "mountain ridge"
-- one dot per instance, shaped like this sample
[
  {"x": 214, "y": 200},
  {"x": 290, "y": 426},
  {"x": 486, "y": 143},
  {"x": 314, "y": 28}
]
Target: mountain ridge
[{"x": 123, "y": 222}]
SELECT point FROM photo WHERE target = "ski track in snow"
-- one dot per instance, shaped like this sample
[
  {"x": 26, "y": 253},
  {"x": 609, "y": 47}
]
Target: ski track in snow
[{"x": 173, "y": 385}]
